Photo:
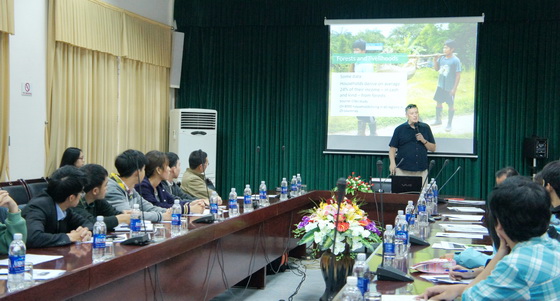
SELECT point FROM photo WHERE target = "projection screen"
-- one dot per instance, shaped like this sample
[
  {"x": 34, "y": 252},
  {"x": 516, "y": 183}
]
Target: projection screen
[{"x": 379, "y": 66}]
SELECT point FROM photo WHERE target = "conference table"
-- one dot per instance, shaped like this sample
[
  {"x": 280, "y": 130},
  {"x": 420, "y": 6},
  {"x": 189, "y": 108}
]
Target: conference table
[{"x": 197, "y": 265}]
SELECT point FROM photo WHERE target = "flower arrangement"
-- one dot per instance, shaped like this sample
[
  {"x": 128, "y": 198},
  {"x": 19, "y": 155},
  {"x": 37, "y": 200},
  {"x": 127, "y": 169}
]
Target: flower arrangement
[
  {"x": 355, "y": 229},
  {"x": 355, "y": 183}
]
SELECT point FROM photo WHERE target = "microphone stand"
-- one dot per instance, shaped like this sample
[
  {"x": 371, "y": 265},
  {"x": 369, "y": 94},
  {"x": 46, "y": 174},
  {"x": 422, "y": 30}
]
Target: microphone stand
[{"x": 341, "y": 186}]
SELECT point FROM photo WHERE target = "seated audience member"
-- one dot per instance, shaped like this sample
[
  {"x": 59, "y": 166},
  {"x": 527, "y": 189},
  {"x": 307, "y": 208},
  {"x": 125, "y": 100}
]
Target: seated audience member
[
  {"x": 157, "y": 171},
  {"x": 174, "y": 189},
  {"x": 72, "y": 156},
  {"x": 194, "y": 181},
  {"x": 93, "y": 203},
  {"x": 527, "y": 263},
  {"x": 12, "y": 222},
  {"x": 551, "y": 181},
  {"x": 470, "y": 258},
  {"x": 50, "y": 222},
  {"x": 120, "y": 188},
  {"x": 505, "y": 173}
]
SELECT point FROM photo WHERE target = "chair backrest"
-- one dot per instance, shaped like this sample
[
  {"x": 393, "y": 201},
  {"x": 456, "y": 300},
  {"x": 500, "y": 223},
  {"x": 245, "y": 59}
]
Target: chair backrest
[
  {"x": 17, "y": 191},
  {"x": 35, "y": 186}
]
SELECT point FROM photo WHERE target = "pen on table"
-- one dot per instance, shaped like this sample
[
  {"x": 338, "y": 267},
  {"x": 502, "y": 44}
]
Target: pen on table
[{"x": 461, "y": 271}]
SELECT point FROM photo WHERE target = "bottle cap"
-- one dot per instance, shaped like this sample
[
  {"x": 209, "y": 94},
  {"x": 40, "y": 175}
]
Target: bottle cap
[
  {"x": 176, "y": 201},
  {"x": 400, "y": 212},
  {"x": 17, "y": 236},
  {"x": 410, "y": 203},
  {"x": 262, "y": 182},
  {"x": 389, "y": 227},
  {"x": 233, "y": 190},
  {"x": 351, "y": 280},
  {"x": 283, "y": 179},
  {"x": 361, "y": 257},
  {"x": 100, "y": 218},
  {"x": 247, "y": 186}
]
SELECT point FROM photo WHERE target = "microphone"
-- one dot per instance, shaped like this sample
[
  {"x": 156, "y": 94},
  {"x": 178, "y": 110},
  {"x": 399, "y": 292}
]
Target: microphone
[
  {"x": 416, "y": 127},
  {"x": 458, "y": 168},
  {"x": 432, "y": 163},
  {"x": 444, "y": 165},
  {"x": 341, "y": 187},
  {"x": 379, "y": 167}
]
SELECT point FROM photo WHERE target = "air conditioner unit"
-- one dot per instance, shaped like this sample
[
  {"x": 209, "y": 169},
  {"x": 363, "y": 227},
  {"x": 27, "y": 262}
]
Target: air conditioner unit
[{"x": 194, "y": 129}]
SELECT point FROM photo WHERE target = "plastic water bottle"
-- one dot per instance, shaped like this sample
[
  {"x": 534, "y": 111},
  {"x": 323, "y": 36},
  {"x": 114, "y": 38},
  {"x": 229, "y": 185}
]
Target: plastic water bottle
[
  {"x": 361, "y": 271},
  {"x": 247, "y": 201},
  {"x": 351, "y": 292},
  {"x": 99, "y": 238},
  {"x": 214, "y": 206},
  {"x": 399, "y": 213},
  {"x": 135, "y": 223},
  {"x": 429, "y": 200},
  {"x": 389, "y": 246},
  {"x": 263, "y": 195},
  {"x": 410, "y": 218},
  {"x": 401, "y": 238},
  {"x": 16, "y": 263},
  {"x": 176, "y": 218},
  {"x": 293, "y": 187},
  {"x": 422, "y": 219},
  {"x": 298, "y": 178},
  {"x": 233, "y": 208},
  {"x": 435, "y": 192},
  {"x": 283, "y": 190}
]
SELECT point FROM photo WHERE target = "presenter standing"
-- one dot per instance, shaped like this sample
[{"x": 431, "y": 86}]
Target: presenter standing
[{"x": 410, "y": 143}]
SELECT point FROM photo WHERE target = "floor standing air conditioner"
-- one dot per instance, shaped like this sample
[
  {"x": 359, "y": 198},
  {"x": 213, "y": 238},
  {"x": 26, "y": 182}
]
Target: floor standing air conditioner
[{"x": 194, "y": 129}]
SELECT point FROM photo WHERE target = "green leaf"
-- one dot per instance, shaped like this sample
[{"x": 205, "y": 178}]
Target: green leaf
[{"x": 308, "y": 237}]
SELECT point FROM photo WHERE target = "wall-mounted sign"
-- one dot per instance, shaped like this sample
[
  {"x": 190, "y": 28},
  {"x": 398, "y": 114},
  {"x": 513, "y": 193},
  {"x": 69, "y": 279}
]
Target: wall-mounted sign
[{"x": 26, "y": 89}]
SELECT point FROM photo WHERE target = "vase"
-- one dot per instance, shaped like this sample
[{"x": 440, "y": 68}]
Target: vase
[{"x": 335, "y": 273}]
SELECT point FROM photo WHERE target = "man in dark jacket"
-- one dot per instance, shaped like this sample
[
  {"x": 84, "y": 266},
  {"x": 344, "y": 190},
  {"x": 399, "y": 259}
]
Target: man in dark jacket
[
  {"x": 93, "y": 203},
  {"x": 50, "y": 222}
]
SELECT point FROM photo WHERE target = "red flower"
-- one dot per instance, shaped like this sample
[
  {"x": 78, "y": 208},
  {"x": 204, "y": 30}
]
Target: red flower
[
  {"x": 329, "y": 201},
  {"x": 342, "y": 227},
  {"x": 364, "y": 222},
  {"x": 341, "y": 218}
]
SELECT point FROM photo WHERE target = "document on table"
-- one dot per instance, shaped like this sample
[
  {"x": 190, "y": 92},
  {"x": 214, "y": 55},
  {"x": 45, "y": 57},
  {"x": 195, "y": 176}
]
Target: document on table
[
  {"x": 467, "y": 209},
  {"x": 444, "y": 278},
  {"x": 38, "y": 274},
  {"x": 466, "y": 228},
  {"x": 459, "y": 235},
  {"x": 398, "y": 297},
  {"x": 447, "y": 245},
  {"x": 36, "y": 259},
  {"x": 466, "y": 202},
  {"x": 463, "y": 217}
]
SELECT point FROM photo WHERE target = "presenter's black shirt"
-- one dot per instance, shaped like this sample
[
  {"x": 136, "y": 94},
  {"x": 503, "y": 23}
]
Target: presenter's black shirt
[{"x": 413, "y": 151}]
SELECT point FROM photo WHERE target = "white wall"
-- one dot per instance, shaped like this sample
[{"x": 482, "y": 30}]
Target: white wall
[{"x": 28, "y": 52}]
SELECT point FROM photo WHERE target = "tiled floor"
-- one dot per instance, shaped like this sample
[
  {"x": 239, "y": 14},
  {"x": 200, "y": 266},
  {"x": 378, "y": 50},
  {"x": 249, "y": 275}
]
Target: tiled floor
[{"x": 283, "y": 285}]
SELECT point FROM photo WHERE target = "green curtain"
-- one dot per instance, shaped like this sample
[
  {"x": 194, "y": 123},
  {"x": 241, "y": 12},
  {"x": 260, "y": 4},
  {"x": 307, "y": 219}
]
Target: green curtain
[{"x": 264, "y": 66}]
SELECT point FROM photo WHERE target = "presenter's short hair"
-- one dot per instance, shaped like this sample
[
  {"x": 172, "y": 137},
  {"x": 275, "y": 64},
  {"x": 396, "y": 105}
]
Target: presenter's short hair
[
  {"x": 130, "y": 161},
  {"x": 551, "y": 175},
  {"x": 197, "y": 158},
  {"x": 66, "y": 181},
  {"x": 410, "y": 106},
  {"x": 96, "y": 175},
  {"x": 522, "y": 207}
]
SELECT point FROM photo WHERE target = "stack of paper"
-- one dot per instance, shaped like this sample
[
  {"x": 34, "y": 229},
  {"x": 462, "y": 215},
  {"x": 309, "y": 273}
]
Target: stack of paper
[
  {"x": 464, "y": 217},
  {"x": 467, "y": 209},
  {"x": 466, "y": 228}
]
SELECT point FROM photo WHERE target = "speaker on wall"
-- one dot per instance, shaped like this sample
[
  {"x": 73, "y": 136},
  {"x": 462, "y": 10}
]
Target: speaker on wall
[
  {"x": 535, "y": 148},
  {"x": 176, "y": 59}
]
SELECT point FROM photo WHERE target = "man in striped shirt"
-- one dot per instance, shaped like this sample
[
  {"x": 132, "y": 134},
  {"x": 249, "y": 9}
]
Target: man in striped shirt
[{"x": 527, "y": 264}]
